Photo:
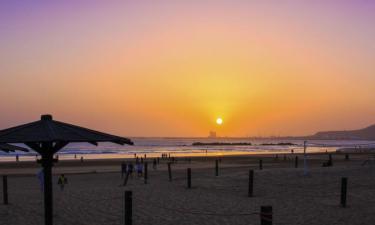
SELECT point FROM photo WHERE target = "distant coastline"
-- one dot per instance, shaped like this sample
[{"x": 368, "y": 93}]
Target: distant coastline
[
  {"x": 365, "y": 134},
  {"x": 220, "y": 143},
  {"x": 240, "y": 144}
]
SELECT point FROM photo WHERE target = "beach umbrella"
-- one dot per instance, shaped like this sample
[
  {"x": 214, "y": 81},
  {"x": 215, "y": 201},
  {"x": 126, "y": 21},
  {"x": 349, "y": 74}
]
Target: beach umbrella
[
  {"x": 12, "y": 148},
  {"x": 47, "y": 136}
]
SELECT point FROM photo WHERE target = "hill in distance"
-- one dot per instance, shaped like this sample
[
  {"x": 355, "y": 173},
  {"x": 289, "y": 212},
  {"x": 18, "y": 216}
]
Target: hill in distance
[{"x": 367, "y": 133}]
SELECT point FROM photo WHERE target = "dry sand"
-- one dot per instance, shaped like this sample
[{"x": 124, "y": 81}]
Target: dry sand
[{"x": 97, "y": 198}]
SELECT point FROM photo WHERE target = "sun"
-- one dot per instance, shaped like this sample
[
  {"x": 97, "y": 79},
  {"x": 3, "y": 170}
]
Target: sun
[{"x": 219, "y": 121}]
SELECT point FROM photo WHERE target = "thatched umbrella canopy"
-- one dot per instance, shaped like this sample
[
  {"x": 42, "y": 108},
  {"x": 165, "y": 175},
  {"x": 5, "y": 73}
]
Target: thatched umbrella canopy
[
  {"x": 47, "y": 136},
  {"x": 12, "y": 148}
]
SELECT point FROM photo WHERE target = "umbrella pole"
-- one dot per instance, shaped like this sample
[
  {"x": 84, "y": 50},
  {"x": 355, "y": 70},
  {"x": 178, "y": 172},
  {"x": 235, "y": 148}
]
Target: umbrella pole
[{"x": 47, "y": 161}]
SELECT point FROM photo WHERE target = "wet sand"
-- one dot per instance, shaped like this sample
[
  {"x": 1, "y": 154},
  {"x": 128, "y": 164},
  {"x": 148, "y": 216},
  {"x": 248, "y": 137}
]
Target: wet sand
[{"x": 94, "y": 194}]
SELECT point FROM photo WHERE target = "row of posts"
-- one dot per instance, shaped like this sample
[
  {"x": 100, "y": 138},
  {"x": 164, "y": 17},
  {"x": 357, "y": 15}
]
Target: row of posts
[
  {"x": 250, "y": 188},
  {"x": 217, "y": 166},
  {"x": 264, "y": 210}
]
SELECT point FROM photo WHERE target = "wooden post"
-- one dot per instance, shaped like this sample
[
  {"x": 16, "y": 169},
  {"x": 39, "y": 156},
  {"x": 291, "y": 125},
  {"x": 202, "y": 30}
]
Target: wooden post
[
  {"x": 128, "y": 208},
  {"x": 217, "y": 167},
  {"x": 296, "y": 162},
  {"x": 330, "y": 160},
  {"x": 344, "y": 184},
  {"x": 266, "y": 215},
  {"x": 169, "y": 172},
  {"x": 260, "y": 164},
  {"x": 189, "y": 178},
  {"x": 47, "y": 163},
  {"x": 305, "y": 167},
  {"x": 251, "y": 183},
  {"x": 5, "y": 189},
  {"x": 146, "y": 165}
]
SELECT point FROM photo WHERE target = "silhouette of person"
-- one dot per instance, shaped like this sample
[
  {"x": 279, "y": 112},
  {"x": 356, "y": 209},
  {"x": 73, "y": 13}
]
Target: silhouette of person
[{"x": 62, "y": 181}]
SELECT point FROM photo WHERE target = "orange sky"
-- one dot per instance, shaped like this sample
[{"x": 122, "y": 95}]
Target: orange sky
[{"x": 170, "y": 69}]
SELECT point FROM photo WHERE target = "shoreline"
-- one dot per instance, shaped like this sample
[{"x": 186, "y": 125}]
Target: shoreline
[
  {"x": 179, "y": 154},
  {"x": 29, "y": 168}
]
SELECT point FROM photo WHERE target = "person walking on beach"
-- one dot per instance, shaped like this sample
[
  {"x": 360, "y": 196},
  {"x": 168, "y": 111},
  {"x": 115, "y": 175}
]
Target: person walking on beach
[
  {"x": 62, "y": 181},
  {"x": 139, "y": 169},
  {"x": 130, "y": 169}
]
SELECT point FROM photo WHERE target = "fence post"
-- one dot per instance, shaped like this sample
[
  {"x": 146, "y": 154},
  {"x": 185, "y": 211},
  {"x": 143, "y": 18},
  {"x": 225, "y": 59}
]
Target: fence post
[
  {"x": 305, "y": 167},
  {"x": 330, "y": 161},
  {"x": 260, "y": 164},
  {"x": 344, "y": 184},
  {"x": 146, "y": 172},
  {"x": 251, "y": 183},
  {"x": 217, "y": 167},
  {"x": 266, "y": 215},
  {"x": 128, "y": 208},
  {"x": 189, "y": 178},
  {"x": 296, "y": 162},
  {"x": 5, "y": 189},
  {"x": 169, "y": 172}
]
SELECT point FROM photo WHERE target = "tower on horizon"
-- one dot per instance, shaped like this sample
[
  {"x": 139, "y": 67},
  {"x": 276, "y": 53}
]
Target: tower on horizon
[{"x": 212, "y": 134}]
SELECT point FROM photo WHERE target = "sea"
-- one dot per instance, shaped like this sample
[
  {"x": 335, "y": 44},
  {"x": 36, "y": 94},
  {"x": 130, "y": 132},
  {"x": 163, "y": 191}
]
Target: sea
[{"x": 183, "y": 147}]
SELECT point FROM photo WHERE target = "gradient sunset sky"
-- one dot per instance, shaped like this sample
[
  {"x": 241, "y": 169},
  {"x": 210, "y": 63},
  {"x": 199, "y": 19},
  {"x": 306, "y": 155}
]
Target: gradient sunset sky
[{"x": 170, "y": 67}]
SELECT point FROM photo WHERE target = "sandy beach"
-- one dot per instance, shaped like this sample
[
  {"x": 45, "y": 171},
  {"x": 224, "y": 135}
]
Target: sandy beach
[{"x": 94, "y": 194}]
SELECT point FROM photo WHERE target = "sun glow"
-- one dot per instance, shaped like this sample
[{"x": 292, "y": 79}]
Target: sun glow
[{"x": 219, "y": 121}]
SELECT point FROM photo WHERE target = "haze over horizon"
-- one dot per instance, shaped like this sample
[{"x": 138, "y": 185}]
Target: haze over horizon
[{"x": 171, "y": 68}]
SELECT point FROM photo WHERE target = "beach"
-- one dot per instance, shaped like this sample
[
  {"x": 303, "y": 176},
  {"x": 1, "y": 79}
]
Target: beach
[
  {"x": 95, "y": 195},
  {"x": 244, "y": 112}
]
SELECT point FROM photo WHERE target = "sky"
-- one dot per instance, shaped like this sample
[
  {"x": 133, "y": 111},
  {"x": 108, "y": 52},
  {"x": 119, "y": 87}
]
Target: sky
[{"x": 171, "y": 68}]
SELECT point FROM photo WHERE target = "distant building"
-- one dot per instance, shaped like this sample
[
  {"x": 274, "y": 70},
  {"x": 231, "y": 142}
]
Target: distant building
[{"x": 212, "y": 134}]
